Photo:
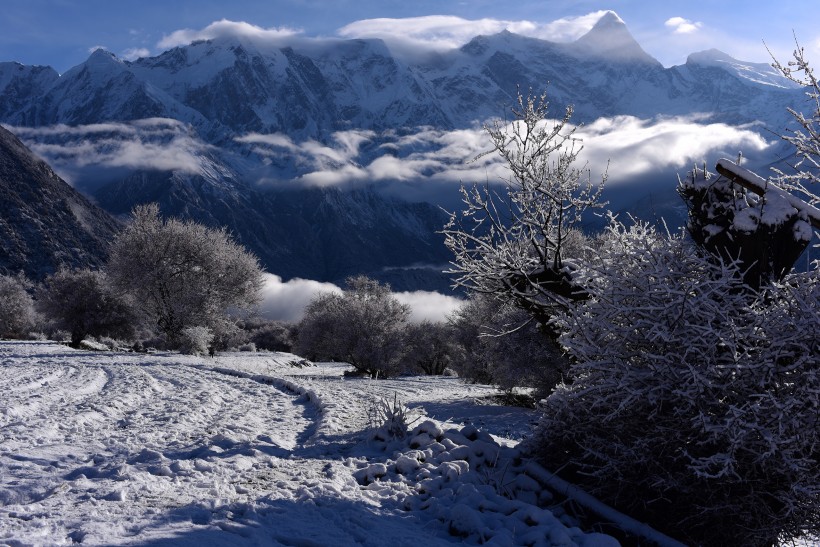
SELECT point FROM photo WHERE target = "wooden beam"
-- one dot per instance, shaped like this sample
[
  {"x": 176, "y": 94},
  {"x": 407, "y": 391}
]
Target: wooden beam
[{"x": 760, "y": 186}]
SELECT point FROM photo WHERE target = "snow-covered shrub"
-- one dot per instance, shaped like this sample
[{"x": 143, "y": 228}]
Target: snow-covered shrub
[
  {"x": 512, "y": 241},
  {"x": 390, "y": 419},
  {"x": 84, "y": 303},
  {"x": 17, "y": 315},
  {"x": 270, "y": 335},
  {"x": 764, "y": 235},
  {"x": 501, "y": 345},
  {"x": 195, "y": 340},
  {"x": 693, "y": 401},
  {"x": 429, "y": 347},
  {"x": 362, "y": 326}
]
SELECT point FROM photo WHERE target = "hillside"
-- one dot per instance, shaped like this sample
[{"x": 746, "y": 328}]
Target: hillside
[{"x": 44, "y": 222}]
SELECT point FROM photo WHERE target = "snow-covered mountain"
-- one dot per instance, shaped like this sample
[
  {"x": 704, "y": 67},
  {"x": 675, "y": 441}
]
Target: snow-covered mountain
[
  {"x": 235, "y": 85},
  {"x": 251, "y": 109}
]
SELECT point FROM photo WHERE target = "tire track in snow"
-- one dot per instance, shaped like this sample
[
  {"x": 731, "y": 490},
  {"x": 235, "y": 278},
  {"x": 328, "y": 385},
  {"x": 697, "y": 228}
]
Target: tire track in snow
[{"x": 90, "y": 440}]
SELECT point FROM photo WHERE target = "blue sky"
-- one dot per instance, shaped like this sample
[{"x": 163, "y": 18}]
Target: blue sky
[{"x": 61, "y": 33}]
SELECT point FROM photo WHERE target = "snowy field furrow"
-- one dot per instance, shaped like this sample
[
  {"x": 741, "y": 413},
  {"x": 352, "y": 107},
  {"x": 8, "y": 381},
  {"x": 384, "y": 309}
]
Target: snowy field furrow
[{"x": 164, "y": 449}]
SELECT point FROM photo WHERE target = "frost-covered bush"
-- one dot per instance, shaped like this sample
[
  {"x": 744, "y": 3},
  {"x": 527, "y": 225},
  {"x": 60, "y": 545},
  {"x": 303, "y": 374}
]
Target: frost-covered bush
[
  {"x": 693, "y": 402},
  {"x": 270, "y": 335},
  {"x": 429, "y": 347},
  {"x": 17, "y": 314},
  {"x": 501, "y": 345},
  {"x": 390, "y": 419},
  {"x": 764, "y": 235},
  {"x": 195, "y": 340},
  {"x": 512, "y": 241},
  {"x": 84, "y": 303},
  {"x": 362, "y": 326}
]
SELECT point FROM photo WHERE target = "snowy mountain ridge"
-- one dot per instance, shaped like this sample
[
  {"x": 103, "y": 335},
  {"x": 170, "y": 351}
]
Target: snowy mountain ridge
[
  {"x": 260, "y": 136},
  {"x": 312, "y": 88}
]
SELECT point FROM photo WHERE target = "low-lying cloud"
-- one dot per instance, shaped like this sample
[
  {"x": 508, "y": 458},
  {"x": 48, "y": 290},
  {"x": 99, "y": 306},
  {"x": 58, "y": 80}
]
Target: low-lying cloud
[
  {"x": 624, "y": 146},
  {"x": 150, "y": 144},
  {"x": 287, "y": 300}
]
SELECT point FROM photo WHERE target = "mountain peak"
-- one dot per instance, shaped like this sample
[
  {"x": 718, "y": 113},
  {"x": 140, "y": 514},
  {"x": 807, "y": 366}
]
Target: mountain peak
[
  {"x": 609, "y": 19},
  {"x": 610, "y": 38}
]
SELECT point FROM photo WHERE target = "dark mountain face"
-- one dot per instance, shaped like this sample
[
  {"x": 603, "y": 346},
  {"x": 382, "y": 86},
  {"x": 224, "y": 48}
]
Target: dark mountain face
[
  {"x": 44, "y": 222},
  {"x": 321, "y": 234}
]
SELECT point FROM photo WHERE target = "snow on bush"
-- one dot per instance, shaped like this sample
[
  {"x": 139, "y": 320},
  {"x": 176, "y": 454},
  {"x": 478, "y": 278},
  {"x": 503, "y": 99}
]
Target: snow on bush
[
  {"x": 195, "y": 340},
  {"x": 693, "y": 401},
  {"x": 17, "y": 315},
  {"x": 390, "y": 420}
]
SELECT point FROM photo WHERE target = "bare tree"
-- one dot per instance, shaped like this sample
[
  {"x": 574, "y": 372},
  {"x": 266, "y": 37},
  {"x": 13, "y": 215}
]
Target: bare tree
[
  {"x": 806, "y": 137},
  {"x": 17, "y": 313},
  {"x": 514, "y": 244},
  {"x": 362, "y": 326},
  {"x": 183, "y": 274},
  {"x": 84, "y": 303}
]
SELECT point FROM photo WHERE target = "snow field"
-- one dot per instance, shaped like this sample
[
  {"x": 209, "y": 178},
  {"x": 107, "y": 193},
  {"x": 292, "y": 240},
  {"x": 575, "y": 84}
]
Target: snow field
[{"x": 163, "y": 449}]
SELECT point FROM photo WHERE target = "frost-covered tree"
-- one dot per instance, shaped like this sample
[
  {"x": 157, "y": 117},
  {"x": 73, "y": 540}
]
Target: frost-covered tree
[
  {"x": 805, "y": 138},
  {"x": 513, "y": 243},
  {"x": 693, "y": 401},
  {"x": 429, "y": 347},
  {"x": 362, "y": 326},
  {"x": 195, "y": 340},
  {"x": 182, "y": 274},
  {"x": 17, "y": 315},
  {"x": 501, "y": 345},
  {"x": 84, "y": 303}
]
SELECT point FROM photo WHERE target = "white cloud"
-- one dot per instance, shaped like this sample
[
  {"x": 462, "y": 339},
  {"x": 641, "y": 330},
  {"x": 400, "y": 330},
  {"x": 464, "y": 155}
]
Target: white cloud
[
  {"x": 448, "y": 32},
  {"x": 430, "y": 306},
  {"x": 286, "y": 300},
  {"x": 225, "y": 28},
  {"x": 636, "y": 147},
  {"x": 134, "y": 53},
  {"x": 430, "y": 158},
  {"x": 155, "y": 143},
  {"x": 679, "y": 25}
]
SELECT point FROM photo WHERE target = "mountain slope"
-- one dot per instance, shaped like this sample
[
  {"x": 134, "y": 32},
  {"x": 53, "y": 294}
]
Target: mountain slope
[{"x": 44, "y": 223}]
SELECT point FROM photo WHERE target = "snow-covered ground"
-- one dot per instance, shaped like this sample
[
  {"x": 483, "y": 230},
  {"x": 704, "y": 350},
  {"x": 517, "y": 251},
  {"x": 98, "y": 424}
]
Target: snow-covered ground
[{"x": 163, "y": 449}]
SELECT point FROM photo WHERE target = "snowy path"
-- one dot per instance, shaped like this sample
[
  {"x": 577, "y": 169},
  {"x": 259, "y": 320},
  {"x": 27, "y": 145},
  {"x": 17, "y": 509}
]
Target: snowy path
[{"x": 164, "y": 449}]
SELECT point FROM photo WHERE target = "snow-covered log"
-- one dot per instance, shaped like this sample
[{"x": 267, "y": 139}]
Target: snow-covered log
[
  {"x": 590, "y": 502},
  {"x": 760, "y": 186}
]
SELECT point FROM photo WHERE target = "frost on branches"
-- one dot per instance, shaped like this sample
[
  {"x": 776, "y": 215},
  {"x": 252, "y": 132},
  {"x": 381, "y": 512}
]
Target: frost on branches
[
  {"x": 806, "y": 137},
  {"x": 694, "y": 402},
  {"x": 514, "y": 244}
]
